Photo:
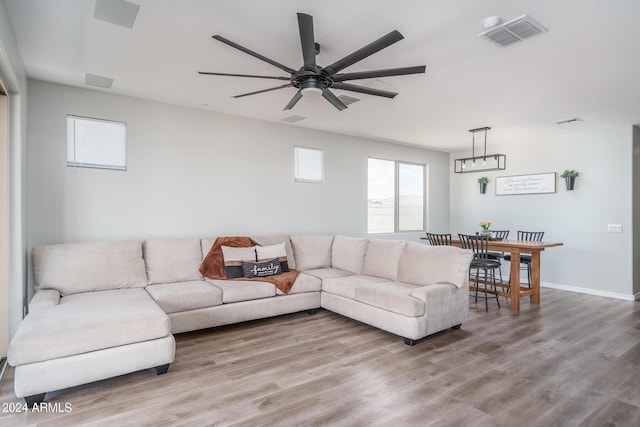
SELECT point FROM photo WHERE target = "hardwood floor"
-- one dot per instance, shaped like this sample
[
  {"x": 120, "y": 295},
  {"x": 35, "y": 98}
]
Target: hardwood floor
[{"x": 573, "y": 361}]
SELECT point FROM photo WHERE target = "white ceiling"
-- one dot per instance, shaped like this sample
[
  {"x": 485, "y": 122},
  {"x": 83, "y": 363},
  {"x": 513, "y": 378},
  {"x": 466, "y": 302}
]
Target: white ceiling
[{"x": 587, "y": 64}]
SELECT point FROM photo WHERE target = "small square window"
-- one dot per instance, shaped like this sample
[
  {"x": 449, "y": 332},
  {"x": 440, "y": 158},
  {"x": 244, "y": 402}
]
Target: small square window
[
  {"x": 95, "y": 143},
  {"x": 308, "y": 165}
]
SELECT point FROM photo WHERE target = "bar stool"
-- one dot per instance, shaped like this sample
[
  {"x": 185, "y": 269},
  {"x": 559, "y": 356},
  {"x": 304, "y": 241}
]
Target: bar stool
[
  {"x": 525, "y": 260},
  {"x": 480, "y": 245}
]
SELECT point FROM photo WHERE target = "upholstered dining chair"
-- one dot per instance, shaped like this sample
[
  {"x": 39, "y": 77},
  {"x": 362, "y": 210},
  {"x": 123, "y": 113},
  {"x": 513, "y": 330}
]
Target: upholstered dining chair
[
  {"x": 525, "y": 260},
  {"x": 479, "y": 245},
  {"x": 439, "y": 239}
]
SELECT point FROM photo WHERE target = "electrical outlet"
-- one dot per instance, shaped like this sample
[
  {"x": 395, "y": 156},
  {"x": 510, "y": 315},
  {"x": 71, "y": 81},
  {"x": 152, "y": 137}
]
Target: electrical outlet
[{"x": 614, "y": 228}]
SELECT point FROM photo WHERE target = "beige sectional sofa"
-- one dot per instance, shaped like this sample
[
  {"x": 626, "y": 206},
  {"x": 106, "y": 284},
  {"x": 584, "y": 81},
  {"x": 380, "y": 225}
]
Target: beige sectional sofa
[{"x": 106, "y": 309}]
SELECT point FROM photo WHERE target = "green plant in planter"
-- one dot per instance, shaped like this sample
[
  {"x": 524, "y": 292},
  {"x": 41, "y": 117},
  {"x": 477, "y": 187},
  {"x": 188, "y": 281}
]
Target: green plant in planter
[
  {"x": 483, "y": 180},
  {"x": 569, "y": 173}
]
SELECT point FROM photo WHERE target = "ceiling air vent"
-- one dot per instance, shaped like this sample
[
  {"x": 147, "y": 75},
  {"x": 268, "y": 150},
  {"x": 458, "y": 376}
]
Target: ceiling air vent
[
  {"x": 293, "y": 119},
  {"x": 514, "y": 31}
]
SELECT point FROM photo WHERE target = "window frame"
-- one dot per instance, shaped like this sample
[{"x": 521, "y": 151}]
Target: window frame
[
  {"x": 396, "y": 196},
  {"x": 73, "y": 163},
  {"x": 296, "y": 168}
]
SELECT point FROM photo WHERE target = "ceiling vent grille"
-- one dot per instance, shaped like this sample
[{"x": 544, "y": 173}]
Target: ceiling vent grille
[{"x": 514, "y": 31}]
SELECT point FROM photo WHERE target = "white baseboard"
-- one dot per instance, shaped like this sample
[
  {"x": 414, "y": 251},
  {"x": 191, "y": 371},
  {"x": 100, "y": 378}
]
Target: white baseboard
[{"x": 597, "y": 292}]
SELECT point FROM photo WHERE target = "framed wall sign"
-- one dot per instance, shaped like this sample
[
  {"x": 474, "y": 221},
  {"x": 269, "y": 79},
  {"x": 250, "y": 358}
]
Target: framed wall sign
[{"x": 540, "y": 183}]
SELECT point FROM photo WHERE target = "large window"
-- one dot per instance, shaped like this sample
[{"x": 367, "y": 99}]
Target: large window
[
  {"x": 94, "y": 143},
  {"x": 396, "y": 196}
]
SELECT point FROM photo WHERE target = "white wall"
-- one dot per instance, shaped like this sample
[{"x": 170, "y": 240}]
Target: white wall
[
  {"x": 197, "y": 173},
  {"x": 636, "y": 210},
  {"x": 591, "y": 258}
]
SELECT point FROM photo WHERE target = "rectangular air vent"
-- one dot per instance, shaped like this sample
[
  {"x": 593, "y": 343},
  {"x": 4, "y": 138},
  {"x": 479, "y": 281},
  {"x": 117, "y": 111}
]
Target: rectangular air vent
[
  {"x": 98, "y": 81},
  {"x": 567, "y": 121},
  {"x": 513, "y": 31},
  {"x": 118, "y": 12},
  {"x": 293, "y": 119},
  {"x": 346, "y": 99}
]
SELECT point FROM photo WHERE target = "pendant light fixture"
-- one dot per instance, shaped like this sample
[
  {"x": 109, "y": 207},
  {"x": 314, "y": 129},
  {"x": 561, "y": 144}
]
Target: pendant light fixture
[{"x": 485, "y": 162}]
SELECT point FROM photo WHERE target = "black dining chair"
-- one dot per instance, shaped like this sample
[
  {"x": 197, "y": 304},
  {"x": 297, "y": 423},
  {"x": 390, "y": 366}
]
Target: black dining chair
[
  {"x": 525, "y": 260},
  {"x": 479, "y": 245},
  {"x": 439, "y": 239},
  {"x": 498, "y": 235}
]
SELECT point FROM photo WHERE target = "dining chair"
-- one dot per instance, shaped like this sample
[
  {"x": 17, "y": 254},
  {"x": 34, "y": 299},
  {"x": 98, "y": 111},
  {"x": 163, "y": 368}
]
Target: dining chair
[
  {"x": 498, "y": 235},
  {"x": 439, "y": 239},
  {"x": 480, "y": 245},
  {"x": 525, "y": 260}
]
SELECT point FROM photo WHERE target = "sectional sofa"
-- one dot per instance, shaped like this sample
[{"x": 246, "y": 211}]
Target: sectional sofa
[{"x": 110, "y": 308}]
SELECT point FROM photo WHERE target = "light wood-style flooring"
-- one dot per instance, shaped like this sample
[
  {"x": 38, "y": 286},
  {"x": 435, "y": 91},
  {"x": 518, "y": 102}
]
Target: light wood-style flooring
[{"x": 572, "y": 361}]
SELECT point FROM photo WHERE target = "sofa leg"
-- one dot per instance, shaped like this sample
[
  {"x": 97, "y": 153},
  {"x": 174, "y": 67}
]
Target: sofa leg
[
  {"x": 312, "y": 311},
  {"x": 162, "y": 369},
  {"x": 458, "y": 326},
  {"x": 36, "y": 399},
  {"x": 409, "y": 342}
]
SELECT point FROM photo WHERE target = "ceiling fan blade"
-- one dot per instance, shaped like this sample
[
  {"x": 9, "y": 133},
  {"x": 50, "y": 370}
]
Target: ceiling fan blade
[
  {"x": 334, "y": 100},
  {"x": 261, "y": 91},
  {"x": 305, "y": 24},
  {"x": 362, "y": 89},
  {"x": 243, "y": 75},
  {"x": 418, "y": 69},
  {"x": 294, "y": 100},
  {"x": 254, "y": 54},
  {"x": 368, "y": 50}
]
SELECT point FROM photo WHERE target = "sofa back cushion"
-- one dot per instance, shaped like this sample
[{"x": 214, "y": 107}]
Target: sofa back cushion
[
  {"x": 348, "y": 253},
  {"x": 382, "y": 258},
  {"x": 425, "y": 265},
  {"x": 72, "y": 268},
  {"x": 172, "y": 260},
  {"x": 312, "y": 251}
]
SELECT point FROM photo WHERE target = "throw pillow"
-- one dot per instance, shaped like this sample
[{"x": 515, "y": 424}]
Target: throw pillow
[
  {"x": 252, "y": 269},
  {"x": 266, "y": 253},
  {"x": 233, "y": 258}
]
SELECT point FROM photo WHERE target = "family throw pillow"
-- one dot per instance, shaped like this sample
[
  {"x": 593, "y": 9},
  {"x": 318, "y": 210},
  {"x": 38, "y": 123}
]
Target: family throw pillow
[
  {"x": 267, "y": 253},
  {"x": 252, "y": 269},
  {"x": 233, "y": 258}
]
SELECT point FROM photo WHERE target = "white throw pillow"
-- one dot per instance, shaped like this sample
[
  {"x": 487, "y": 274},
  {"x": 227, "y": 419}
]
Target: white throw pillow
[
  {"x": 270, "y": 252},
  {"x": 233, "y": 258}
]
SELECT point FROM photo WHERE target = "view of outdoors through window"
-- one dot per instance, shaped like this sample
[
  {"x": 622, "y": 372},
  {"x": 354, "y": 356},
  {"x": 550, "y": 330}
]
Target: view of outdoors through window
[{"x": 395, "y": 188}]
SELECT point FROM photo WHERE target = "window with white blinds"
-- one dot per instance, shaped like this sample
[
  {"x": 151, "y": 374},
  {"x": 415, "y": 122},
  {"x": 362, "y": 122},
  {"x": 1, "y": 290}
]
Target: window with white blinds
[
  {"x": 308, "y": 165},
  {"x": 95, "y": 143}
]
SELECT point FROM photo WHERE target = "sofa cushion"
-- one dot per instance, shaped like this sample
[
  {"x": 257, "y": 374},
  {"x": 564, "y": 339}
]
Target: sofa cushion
[
  {"x": 348, "y": 253},
  {"x": 382, "y": 258},
  {"x": 346, "y": 286},
  {"x": 272, "y": 240},
  {"x": 269, "y": 252},
  {"x": 72, "y": 268},
  {"x": 233, "y": 258},
  {"x": 172, "y": 260},
  {"x": 270, "y": 267},
  {"x": 205, "y": 245},
  {"x": 312, "y": 251},
  {"x": 243, "y": 290},
  {"x": 304, "y": 283},
  {"x": 185, "y": 296},
  {"x": 392, "y": 296},
  {"x": 425, "y": 265},
  {"x": 328, "y": 273},
  {"x": 87, "y": 322}
]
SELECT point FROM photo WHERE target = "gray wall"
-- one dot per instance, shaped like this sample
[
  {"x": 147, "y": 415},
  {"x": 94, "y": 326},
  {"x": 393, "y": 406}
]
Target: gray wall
[
  {"x": 197, "y": 173},
  {"x": 636, "y": 210},
  {"x": 591, "y": 258}
]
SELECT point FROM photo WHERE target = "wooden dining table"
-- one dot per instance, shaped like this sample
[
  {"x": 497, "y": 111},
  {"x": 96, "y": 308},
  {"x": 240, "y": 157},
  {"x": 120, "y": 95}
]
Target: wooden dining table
[{"x": 512, "y": 289}]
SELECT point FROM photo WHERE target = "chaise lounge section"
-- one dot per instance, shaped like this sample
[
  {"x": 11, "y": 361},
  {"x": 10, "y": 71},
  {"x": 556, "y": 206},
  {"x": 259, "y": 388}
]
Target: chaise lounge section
[{"x": 110, "y": 308}]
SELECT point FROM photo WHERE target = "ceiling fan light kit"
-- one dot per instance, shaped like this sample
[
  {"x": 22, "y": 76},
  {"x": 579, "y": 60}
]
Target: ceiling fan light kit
[
  {"x": 312, "y": 78},
  {"x": 480, "y": 163}
]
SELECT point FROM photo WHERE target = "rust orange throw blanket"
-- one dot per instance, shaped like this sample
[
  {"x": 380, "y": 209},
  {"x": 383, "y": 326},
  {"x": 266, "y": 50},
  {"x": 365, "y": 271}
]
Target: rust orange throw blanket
[{"x": 213, "y": 264}]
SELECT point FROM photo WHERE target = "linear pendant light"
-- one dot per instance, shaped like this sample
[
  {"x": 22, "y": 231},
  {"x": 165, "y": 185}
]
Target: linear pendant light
[{"x": 483, "y": 163}]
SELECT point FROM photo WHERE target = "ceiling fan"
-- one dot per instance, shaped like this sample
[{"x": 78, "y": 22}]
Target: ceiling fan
[{"x": 314, "y": 78}]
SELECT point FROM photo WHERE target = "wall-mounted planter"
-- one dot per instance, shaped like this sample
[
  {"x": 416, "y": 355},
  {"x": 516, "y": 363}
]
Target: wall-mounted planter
[
  {"x": 483, "y": 187},
  {"x": 571, "y": 182}
]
